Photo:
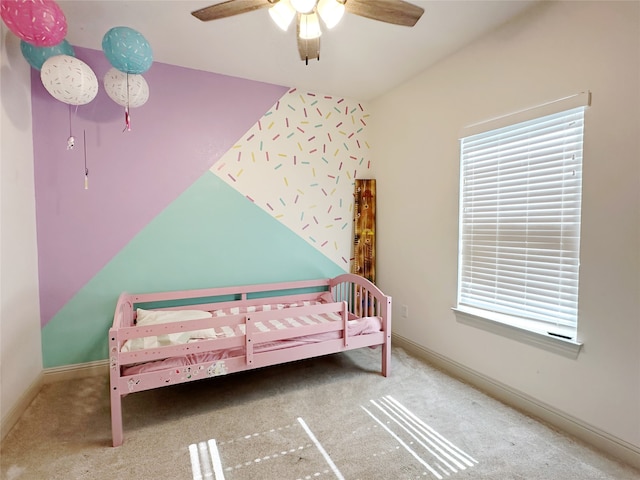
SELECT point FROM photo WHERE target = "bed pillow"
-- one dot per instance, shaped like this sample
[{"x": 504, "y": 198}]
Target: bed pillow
[{"x": 155, "y": 317}]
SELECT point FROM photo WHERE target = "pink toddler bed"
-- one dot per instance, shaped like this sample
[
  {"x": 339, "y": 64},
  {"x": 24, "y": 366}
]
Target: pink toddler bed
[{"x": 167, "y": 338}]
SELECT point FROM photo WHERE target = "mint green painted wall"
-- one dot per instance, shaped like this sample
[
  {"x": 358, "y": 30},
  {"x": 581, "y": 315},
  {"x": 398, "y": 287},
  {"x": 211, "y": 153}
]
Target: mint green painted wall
[{"x": 210, "y": 236}]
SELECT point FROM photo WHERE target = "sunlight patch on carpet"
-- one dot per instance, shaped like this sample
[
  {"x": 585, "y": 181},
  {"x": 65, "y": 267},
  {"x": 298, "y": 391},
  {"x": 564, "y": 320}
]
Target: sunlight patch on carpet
[
  {"x": 320, "y": 449},
  {"x": 433, "y": 451},
  {"x": 382, "y": 436},
  {"x": 291, "y": 447},
  {"x": 205, "y": 460}
]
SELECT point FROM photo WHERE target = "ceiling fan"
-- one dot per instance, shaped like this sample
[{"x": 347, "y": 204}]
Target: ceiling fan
[{"x": 308, "y": 12}]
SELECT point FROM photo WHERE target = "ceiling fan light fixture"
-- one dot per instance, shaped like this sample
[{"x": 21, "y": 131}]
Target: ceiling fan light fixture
[
  {"x": 282, "y": 14},
  {"x": 309, "y": 26},
  {"x": 331, "y": 12},
  {"x": 303, "y": 6}
]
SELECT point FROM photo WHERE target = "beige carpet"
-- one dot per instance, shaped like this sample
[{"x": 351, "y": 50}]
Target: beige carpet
[{"x": 327, "y": 418}]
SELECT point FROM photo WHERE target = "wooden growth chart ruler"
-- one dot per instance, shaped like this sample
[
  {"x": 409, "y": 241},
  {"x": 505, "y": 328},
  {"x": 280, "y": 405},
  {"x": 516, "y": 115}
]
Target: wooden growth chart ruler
[{"x": 364, "y": 229}]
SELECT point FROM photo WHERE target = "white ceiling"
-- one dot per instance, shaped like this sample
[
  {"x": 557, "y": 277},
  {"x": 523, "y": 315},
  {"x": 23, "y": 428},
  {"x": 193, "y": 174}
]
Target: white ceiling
[{"x": 360, "y": 58}]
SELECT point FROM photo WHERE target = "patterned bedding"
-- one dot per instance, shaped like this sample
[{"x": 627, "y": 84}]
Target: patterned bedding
[{"x": 154, "y": 317}]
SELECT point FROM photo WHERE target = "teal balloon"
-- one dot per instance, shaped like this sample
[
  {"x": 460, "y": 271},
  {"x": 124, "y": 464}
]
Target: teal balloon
[
  {"x": 127, "y": 50},
  {"x": 36, "y": 56}
]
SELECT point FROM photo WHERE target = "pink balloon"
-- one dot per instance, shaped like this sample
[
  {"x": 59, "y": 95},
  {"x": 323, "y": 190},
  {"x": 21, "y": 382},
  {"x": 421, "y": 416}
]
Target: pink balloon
[{"x": 38, "y": 22}]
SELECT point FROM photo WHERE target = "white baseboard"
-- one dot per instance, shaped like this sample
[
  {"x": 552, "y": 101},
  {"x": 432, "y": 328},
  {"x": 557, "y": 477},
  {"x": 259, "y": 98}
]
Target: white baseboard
[
  {"x": 601, "y": 440},
  {"x": 80, "y": 370},
  {"x": 12, "y": 417}
]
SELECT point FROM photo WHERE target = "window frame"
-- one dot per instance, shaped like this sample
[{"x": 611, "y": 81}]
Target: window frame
[{"x": 560, "y": 340}]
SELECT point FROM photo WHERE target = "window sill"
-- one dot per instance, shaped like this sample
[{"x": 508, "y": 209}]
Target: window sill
[{"x": 566, "y": 347}]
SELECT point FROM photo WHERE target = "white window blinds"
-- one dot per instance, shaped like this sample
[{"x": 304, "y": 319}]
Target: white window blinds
[{"x": 520, "y": 219}]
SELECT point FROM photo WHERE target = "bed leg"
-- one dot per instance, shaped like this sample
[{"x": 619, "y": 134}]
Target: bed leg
[
  {"x": 386, "y": 346},
  {"x": 386, "y": 358},
  {"x": 116, "y": 417}
]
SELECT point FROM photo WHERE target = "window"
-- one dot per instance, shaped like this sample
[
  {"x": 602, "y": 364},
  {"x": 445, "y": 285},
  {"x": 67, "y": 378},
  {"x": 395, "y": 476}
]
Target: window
[{"x": 520, "y": 210}]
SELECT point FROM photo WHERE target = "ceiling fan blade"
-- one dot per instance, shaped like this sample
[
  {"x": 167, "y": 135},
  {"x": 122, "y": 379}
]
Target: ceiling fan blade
[
  {"x": 397, "y": 12},
  {"x": 230, "y": 8},
  {"x": 307, "y": 48}
]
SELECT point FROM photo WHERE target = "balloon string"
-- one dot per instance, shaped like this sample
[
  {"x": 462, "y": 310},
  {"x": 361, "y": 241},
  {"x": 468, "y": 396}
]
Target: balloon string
[
  {"x": 70, "y": 123},
  {"x": 127, "y": 120},
  {"x": 127, "y": 117},
  {"x": 86, "y": 170},
  {"x": 71, "y": 141}
]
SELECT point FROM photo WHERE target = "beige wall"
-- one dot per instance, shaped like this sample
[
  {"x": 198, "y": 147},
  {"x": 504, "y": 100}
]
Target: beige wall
[
  {"x": 20, "y": 348},
  {"x": 553, "y": 51}
]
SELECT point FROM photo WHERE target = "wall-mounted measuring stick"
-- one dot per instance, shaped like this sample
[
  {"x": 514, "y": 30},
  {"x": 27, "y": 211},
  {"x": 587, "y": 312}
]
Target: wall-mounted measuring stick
[{"x": 364, "y": 235}]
